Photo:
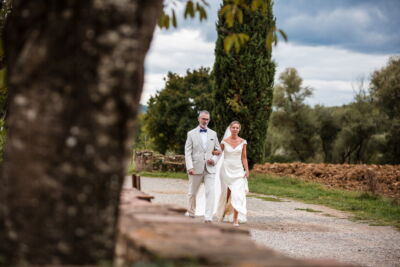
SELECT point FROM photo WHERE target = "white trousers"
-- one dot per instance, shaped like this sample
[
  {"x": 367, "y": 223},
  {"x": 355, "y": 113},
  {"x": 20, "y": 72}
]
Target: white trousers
[{"x": 194, "y": 185}]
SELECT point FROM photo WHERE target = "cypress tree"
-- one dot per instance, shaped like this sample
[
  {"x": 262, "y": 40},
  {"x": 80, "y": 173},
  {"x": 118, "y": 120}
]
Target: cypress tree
[{"x": 244, "y": 81}]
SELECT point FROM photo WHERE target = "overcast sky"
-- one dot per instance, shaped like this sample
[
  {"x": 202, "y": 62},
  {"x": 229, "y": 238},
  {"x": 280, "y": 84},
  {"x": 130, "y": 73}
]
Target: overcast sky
[{"x": 332, "y": 44}]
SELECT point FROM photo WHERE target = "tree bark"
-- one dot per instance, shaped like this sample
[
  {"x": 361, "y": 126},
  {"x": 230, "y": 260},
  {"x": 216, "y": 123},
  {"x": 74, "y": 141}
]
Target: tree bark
[{"x": 75, "y": 78}]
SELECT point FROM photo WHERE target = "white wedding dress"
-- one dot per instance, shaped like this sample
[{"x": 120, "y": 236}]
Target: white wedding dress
[
  {"x": 232, "y": 176},
  {"x": 229, "y": 174}
]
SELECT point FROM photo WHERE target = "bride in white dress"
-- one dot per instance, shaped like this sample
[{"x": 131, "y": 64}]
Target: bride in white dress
[
  {"x": 230, "y": 180},
  {"x": 233, "y": 177}
]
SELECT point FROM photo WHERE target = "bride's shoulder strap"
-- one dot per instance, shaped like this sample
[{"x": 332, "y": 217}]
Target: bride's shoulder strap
[{"x": 244, "y": 142}]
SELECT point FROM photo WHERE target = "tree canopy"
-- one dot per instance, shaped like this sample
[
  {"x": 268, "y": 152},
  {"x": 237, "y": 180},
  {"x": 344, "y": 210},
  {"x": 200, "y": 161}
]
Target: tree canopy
[{"x": 174, "y": 109}]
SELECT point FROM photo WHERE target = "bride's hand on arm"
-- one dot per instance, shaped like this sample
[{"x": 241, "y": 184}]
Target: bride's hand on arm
[
  {"x": 216, "y": 152},
  {"x": 245, "y": 162}
]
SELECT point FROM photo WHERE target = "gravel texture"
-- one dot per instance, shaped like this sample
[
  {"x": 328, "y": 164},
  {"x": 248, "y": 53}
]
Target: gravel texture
[{"x": 299, "y": 233}]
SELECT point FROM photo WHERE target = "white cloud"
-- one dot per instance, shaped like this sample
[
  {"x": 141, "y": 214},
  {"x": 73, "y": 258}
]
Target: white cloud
[
  {"x": 331, "y": 71},
  {"x": 175, "y": 51},
  {"x": 330, "y": 93},
  {"x": 152, "y": 84}
]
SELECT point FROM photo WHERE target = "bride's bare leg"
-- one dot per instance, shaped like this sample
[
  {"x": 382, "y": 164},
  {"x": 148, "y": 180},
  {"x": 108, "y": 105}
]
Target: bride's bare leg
[
  {"x": 235, "y": 213},
  {"x": 235, "y": 217}
]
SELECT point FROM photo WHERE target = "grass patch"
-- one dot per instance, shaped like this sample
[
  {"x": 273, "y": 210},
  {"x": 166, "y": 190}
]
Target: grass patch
[
  {"x": 131, "y": 169},
  {"x": 308, "y": 210},
  {"x": 273, "y": 199},
  {"x": 174, "y": 175},
  {"x": 328, "y": 215},
  {"x": 375, "y": 209}
]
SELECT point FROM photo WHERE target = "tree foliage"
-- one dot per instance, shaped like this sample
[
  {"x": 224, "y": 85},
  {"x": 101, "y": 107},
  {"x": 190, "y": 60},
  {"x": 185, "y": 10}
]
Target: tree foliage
[
  {"x": 385, "y": 91},
  {"x": 174, "y": 110},
  {"x": 5, "y": 9},
  {"x": 244, "y": 80},
  {"x": 292, "y": 118},
  {"x": 358, "y": 127},
  {"x": 327, "y": 128},
  {"x": 366, "y": 130}
]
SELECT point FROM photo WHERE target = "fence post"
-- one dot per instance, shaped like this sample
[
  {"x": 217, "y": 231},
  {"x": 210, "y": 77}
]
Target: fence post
[{"x": 136, "y": 181}]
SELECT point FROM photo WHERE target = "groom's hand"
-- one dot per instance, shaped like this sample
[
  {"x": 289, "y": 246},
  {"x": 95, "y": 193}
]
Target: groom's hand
[
  {"x": 191, "y": 171},
  {"x": 210, "y": 162}
]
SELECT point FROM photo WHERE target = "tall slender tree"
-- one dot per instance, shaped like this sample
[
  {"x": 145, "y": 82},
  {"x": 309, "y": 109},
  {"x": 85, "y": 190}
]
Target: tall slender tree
[{"x": 244, "y": 79}]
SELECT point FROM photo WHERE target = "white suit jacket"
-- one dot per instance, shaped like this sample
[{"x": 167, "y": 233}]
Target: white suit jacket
[{"x": 196, "y": 155}]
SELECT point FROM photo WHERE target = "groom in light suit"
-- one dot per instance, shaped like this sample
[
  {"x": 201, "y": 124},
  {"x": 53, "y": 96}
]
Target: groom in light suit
[{"x": 200, "y": 164}]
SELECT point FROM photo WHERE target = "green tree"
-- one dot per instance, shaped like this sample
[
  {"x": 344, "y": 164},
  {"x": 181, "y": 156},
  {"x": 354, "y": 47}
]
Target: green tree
[
  {"x": 174, "y": 110},
  {"x": 142, "y": 140},
  {"x": 385, "y": 92},
  {"x": 244, "y": 79},
  {"x": 359, "y": 127},
  {"x": 292, "y": 118},
  {"x": 327, "y": 127}
]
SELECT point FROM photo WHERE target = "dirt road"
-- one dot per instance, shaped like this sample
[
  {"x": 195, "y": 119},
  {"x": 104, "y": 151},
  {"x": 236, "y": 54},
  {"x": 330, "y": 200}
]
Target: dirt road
[{"x": 301, "y": 230}]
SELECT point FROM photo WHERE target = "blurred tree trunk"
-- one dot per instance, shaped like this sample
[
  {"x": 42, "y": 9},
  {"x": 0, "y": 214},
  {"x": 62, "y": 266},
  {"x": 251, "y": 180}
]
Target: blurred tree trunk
[{"x": 75, "y": 79}]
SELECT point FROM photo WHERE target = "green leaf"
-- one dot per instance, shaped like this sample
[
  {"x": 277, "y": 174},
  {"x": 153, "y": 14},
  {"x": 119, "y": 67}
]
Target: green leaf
[
  {"x": 163, "y": 21},
  {"x": 240, "y": 16},
  {"x": 160, "y": 20},
  {"x": 255, "y": 4},
  {"x": 236, "y": 40},
  {"x": 236, "y": 44},
  {"x": 229, "y": 20},
  {"x": 243, "y": 38},
  {"x": 225, "y": 9},
  {"x": 269, "y": 40},
  {"x": 174, "y": 19},
  {"x": 203, "y": 14},
  {"x": 3, "y": 72},
  {"x": 284, "y": 35},
  {"x": 228, "y": 42},
  {"x": 166, "y": 21},
  {"x": 189, "y": 11}
]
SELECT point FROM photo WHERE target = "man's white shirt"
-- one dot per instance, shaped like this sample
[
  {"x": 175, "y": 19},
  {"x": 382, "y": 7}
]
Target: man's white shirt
[{"x": 203, "y": 136}]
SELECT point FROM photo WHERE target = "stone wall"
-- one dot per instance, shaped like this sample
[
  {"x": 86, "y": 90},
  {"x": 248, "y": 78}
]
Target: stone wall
[
  {"x": 149, "y": 161},
  {"x": 153, "y": 234}
]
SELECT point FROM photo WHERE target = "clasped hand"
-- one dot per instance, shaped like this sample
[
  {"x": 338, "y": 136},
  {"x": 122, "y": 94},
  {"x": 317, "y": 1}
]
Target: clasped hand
[{"x": 216, "y": 152}]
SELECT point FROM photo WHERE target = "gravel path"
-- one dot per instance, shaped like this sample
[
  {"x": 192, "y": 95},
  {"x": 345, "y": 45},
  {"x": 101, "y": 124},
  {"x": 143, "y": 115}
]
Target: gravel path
[{"x": 285, "y": 227}]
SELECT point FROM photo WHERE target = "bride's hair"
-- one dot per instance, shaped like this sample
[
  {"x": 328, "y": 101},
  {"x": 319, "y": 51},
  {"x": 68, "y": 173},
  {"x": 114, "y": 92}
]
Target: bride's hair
[{"x": 235, "y": 122}]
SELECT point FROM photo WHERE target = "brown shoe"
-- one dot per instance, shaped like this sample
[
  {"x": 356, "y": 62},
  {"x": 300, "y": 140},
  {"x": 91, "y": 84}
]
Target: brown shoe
[{"x": 207, "y": 221}]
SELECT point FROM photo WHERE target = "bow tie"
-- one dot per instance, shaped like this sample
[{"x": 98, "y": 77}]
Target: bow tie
[{"x": 203, "y": 130}]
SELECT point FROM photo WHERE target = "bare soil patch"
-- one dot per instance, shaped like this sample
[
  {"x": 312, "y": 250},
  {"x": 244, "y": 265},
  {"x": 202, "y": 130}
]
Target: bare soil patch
[{"x": 375, "y": 179}]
